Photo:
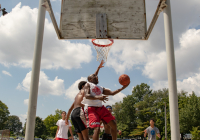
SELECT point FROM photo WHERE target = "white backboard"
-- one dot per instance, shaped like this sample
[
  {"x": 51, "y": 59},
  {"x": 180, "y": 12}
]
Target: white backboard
[{"x": 126, "y": 19}]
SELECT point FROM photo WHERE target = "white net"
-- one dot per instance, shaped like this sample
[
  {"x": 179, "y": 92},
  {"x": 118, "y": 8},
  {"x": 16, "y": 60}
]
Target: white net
[{"x": 102, "y": 47}]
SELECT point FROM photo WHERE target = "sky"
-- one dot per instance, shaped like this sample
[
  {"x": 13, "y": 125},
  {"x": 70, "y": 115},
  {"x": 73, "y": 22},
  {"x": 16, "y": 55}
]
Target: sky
[{"x": 65, "y": 63}]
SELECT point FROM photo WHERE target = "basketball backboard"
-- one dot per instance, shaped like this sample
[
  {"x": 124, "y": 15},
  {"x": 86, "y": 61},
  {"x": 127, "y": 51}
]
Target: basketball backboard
[
  {"x": 102, "y": 19},
  {"x": 125, "y": 19}
]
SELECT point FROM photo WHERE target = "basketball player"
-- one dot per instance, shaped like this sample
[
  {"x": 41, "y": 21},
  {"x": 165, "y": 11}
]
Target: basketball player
[
  {"x": 95, "y": 110},
  {"x": 107, "y": 133},
  {"x": 62, "y": 130},
  {"x": 152, "y": 131},
  {"x": 78, "y": 117}
]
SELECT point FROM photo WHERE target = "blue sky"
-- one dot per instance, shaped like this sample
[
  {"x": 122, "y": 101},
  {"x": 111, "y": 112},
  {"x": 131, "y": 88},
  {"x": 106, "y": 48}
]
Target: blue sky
[{"x": 64, "y": 63}]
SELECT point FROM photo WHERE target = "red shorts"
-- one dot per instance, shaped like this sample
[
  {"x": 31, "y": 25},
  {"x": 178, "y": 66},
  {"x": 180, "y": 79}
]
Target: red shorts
[
  {"x": 61, "y": 139},
  {"x": 95, "y": 114}
]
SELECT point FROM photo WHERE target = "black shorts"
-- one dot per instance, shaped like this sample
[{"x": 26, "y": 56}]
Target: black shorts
[
  {"x": 78, "y": 119},
  {"x": 106, "y": 137}
]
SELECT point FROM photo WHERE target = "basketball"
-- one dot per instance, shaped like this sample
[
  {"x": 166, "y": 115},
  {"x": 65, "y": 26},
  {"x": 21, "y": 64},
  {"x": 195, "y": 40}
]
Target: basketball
[{"x": 124, "y": 79}]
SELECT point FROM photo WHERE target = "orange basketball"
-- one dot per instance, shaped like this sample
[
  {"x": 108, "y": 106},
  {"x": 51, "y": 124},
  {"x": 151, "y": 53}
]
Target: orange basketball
[{"x": 124, "y": 79}]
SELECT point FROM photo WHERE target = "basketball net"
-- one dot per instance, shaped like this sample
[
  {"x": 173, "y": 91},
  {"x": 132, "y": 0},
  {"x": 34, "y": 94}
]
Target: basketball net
[{"x": 102, "y": 48}]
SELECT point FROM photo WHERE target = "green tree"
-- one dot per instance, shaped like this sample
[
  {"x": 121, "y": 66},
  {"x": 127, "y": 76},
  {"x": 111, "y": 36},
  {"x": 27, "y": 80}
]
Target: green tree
[
  {"x": 13, "y": 124},
  {"x": 50, "y": 123},
  {"x": 195, "y": 133},
  {"x": 189, "y": 113},
  {"x": 40, "y": 128},
  {"x": 139, "y": 91},
  {"x": 4, "y": 113}
]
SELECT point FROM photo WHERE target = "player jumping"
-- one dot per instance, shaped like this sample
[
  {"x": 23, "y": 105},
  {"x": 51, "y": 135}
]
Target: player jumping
[
  {"x": 78, "y": 117},
  {"x": 95, "y": 110}
]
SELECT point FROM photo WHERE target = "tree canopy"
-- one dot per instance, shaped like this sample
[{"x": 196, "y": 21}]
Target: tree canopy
[{"x": 4, "y": 113}]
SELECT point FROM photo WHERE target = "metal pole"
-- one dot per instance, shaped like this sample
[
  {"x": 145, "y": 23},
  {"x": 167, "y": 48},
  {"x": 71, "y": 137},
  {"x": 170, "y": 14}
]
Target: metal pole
[
  {"x": 165, "y": 123},
  {"x": 30, "y": 125},
  {"x": 171, "y": 70}
]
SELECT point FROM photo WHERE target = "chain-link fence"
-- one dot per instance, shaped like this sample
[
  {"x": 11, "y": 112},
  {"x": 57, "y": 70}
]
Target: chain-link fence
[{"x": 4, "y": 134}]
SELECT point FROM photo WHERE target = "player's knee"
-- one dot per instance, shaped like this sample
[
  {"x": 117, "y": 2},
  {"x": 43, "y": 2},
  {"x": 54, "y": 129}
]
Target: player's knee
[
  {"x": 86, "y": 137},
  {"x": 113, "y": 124},
  {"x": 96, "y": 129}
]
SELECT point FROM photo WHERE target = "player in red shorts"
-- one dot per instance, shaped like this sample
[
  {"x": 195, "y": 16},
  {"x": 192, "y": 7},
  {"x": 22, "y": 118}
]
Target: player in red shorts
[
  {"x": 95, "y": 110},
  {"x": 107, "y": 134},
  {"x": 77, "y": 115}
]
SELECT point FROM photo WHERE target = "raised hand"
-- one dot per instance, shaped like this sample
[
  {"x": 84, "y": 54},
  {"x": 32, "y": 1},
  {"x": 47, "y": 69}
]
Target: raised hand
[
  {"x": 125, "y": 86},
  {"x": 101, "y": 64}
]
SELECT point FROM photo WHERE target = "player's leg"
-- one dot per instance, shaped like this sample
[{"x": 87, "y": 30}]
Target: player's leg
[
  {"x": 80, "y": 136},
  {"x": 81, "y": 121},
  {"x": 94, "y": 121},
  {"x": 96, "y": 133},
  {"x": 85, "y": 134},
  {"x": 113, "y": 127},
  {"x": 109, "y": 119},
  {"x": 75, "y": 117}
]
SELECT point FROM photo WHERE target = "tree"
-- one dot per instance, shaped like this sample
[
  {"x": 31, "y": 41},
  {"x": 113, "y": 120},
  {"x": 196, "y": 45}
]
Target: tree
[
  {"x": 13, "y": 124},
  {"x": 40, "y": 127},
  {"x": 139, "y": 91},
  {"x": 50, "y": 122},
  {"x": 195, "y": 133},
  {"x": 189, "y": 113},
  {"x": 4, "y": 113}
]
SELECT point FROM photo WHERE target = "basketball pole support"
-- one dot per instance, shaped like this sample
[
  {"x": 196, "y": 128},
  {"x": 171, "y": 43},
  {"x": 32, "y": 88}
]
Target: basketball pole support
[
  {"x": 32, "y": 106},
  {"x": 171, "y": 70}
]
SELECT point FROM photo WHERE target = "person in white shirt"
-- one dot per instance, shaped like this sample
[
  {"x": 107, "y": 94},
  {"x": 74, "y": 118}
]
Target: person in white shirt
[
  {"x": 95, "y": 111},
  {"x": 62, "y": 130}
]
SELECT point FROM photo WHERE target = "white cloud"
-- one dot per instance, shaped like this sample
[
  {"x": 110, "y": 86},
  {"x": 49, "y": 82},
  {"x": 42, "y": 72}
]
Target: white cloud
[
  {"x": 188, "y": 84},
  {"x": 187, "y": 58},
  {"x": 6, "y": 73},
  {"x": 18, "y": 30},
  {"x": 23, "y": 118},
  {"x": 26, "y": 101},
  {"x": 46, "y": 86},
  {"x": 73, "y": 90},
  {"x": 126, "y": 55},
  {"x": 116, "y": 98}
]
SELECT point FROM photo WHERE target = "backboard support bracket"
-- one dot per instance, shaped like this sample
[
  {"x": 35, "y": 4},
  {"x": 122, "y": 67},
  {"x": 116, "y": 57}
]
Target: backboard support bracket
[
  {"x": 101, "y": 26},
  {"x": 161, "y": 6},
  {"x": 47, "y": 5}
]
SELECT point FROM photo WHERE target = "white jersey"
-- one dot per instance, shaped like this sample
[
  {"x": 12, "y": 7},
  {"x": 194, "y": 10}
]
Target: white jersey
[
  {"x": 95, "y": 90},
  {"x": 63, "y": 129}
]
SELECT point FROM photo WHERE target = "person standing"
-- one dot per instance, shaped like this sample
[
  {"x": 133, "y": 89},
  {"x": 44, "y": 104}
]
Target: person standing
[
  {"x": 152, "y": 131},
  {"x": 62, "y": 130}
]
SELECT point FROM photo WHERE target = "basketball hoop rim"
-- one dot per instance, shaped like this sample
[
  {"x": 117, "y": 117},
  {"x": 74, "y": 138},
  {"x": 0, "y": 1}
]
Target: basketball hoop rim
[{"x": 99, "y": 45}]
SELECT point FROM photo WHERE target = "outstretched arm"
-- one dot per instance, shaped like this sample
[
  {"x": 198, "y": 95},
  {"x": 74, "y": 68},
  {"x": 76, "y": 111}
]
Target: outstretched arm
[
  {"x": 68, "y": 113},
  {"x": 109, "y": 92},
  {"x": 56, "y": 133},
  {"x": 70, "y": 130},
  {"x": 145, "y": 133},
  {"x": 158, "y": 135},
  {"x": 89, "y": 96},
  {"x": 100, "y": 66}
]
